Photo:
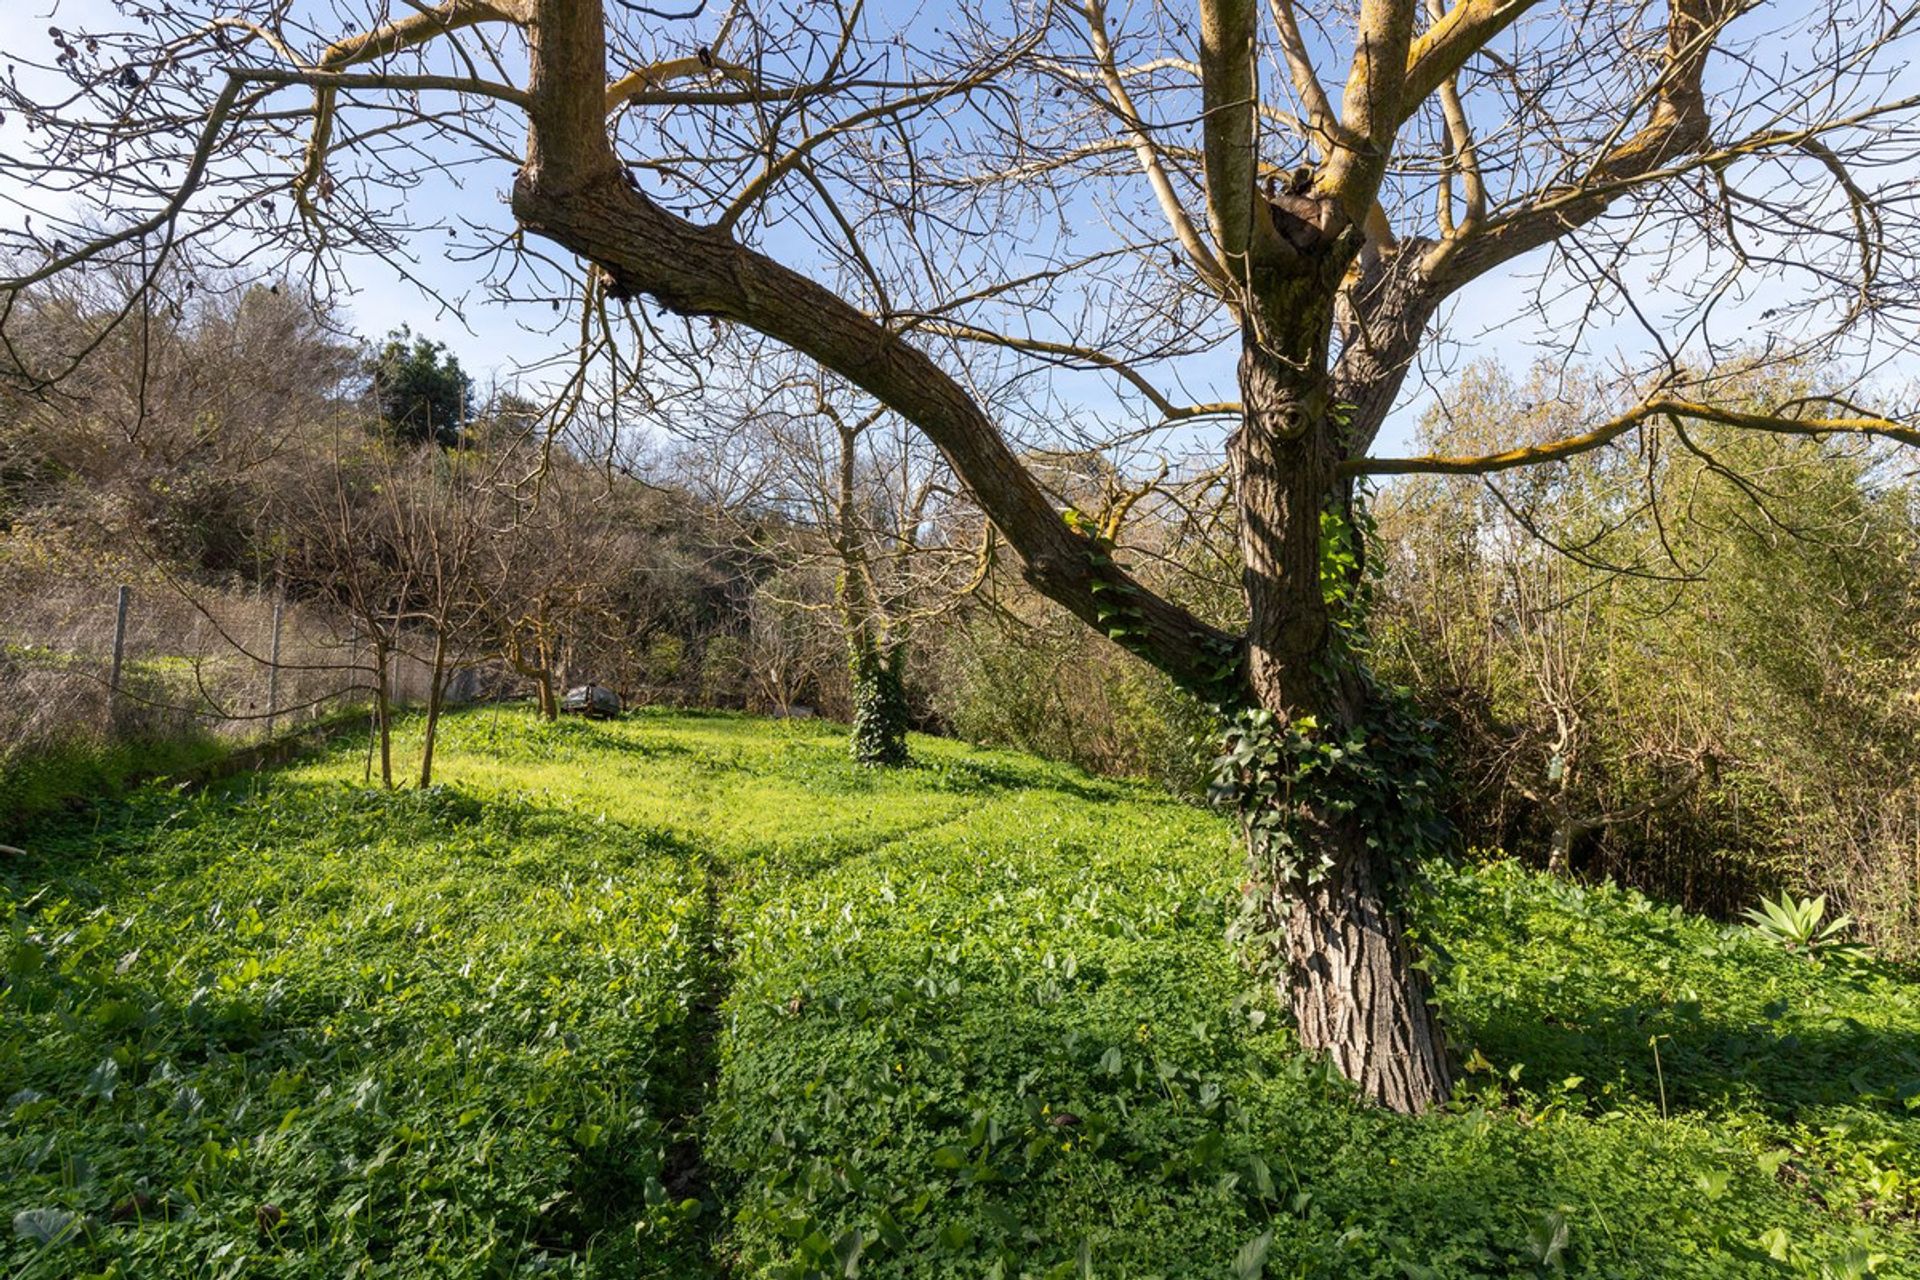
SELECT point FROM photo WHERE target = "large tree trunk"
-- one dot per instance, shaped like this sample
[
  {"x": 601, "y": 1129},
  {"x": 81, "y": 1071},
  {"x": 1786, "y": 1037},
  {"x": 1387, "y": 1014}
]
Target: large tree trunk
[
  {"x": 1352, "y": 983},
  {"x": 1351, "y": 980}
]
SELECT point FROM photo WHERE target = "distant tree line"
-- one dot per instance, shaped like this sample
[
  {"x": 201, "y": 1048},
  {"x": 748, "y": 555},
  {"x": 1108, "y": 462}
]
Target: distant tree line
[{"x": 1698, "y": 671}]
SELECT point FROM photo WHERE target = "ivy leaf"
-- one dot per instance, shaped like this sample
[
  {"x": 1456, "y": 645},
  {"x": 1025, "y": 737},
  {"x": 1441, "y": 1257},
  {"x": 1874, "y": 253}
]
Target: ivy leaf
[
  {"x": 1547, "y": 1239},
  {"x": 1262, "y": 1175},
  {"x": 102, "y": 1080},
  {"x": 847, "y": 1250}
]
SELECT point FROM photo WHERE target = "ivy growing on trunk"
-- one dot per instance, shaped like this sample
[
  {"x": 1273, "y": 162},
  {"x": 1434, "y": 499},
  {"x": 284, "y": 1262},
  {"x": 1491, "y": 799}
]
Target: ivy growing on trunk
[
  {"x": 879, "y": 703},
  {"x": 1371, "y": 765}
]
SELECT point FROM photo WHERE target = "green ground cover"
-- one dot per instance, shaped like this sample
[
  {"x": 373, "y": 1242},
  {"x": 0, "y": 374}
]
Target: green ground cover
[
  {"x": 64, "y": 775},
  {"x": 682, "y": 995}
]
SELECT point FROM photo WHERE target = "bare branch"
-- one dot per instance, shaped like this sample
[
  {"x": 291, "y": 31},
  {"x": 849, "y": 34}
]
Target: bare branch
[{"x": 1621, "y": 424}]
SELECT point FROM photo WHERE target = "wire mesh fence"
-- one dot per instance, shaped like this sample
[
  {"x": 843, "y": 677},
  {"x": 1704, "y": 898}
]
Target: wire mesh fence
[
  {"x": 122, "y": 660},
  {"x": 97, "y": 665}
]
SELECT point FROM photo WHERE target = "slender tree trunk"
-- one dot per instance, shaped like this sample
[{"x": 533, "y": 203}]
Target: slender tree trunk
[
  {"x": 436, "y": 691},
  {"x": 549, "y": 698},
  {"x": 383, "y": 709},
  {"x": 1560, "y": 847},
  {"x": 543, "y": 652},
  {"x": 536, "y": 671},
  {"x": 875, "y": 660},
  {"x": 1351, "y": 977}
]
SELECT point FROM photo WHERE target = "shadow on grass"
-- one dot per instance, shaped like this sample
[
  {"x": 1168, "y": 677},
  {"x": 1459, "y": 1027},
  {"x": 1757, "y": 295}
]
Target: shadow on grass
[
  {"x": 1699, "y": 1062},
  {"x": 467, "y": 1060},
  {"x": 998, "y": 777}
]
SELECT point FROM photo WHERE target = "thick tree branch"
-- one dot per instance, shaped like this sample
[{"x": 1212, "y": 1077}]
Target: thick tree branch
[
  {"x": 1371, "y": 107},
  {"x": 1444, "y": 47},
  {"x": 1677, "y": 125},
  {"x": 573, "y": 191},
  {"x": 1572, "y": 446},
  {"x": 1229, "y": 95}
]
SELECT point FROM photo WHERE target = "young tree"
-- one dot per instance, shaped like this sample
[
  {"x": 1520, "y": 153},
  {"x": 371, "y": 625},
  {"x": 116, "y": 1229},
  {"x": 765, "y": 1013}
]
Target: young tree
[
  {"x": 347, "y": 548},
  {"x": 917, "y": 208},
  {"x": 440, "y": 514},
  {"x": 822, "y": 479},
  {"x": 546, "y": 570}
]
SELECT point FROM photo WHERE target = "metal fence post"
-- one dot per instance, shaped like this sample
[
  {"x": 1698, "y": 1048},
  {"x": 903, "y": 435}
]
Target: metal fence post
[{"x": 119, "y": 651}]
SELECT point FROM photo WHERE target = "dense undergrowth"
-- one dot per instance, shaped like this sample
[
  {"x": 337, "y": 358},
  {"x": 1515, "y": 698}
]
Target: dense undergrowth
[{"x": 689, "y": 995}]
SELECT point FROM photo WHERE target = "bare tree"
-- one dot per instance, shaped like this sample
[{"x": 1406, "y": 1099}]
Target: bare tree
[
  {"x": 1055, "y": 190},
  {"x": 547, "y": 562},
  {"x": 442, "y": 517},
  {"x": 821, "y": 478},
  {"x": 347, "y": 553}
]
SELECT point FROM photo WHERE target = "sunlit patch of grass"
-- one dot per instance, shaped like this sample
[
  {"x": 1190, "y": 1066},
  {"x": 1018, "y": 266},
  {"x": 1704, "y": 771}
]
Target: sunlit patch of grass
[{"x": 693, "y": 994}]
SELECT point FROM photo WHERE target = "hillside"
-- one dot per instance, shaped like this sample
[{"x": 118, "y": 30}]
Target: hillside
[{"x": 683, "y": 995}]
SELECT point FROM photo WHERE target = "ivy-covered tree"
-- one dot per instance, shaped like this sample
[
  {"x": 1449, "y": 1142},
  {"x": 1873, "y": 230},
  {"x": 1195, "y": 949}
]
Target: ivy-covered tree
[
  {"x": 833, "y": 486},
  {"x": 925, "y": 201}
]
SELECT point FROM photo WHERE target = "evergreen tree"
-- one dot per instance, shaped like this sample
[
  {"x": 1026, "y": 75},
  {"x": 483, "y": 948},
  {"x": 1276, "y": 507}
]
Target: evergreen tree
[{"x": 420, "y": 388}]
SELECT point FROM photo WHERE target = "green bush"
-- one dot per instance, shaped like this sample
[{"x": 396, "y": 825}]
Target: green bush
[
  {"x": 1062, "y": 692},
  {"x": 70, "y": 771}
]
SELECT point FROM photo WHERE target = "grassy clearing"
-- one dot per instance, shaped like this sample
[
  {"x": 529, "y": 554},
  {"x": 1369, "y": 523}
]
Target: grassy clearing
[
  {"x": 687, "y": 995},
  {"x": 1015, "y": 1045}
]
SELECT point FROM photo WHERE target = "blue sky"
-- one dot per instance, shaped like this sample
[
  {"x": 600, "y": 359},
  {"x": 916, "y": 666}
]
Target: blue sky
[{"x": 497, "y": 342}]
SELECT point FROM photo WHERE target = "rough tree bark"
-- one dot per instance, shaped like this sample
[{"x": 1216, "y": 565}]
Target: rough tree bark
[
  {"x": 1351, "y": 977},
  {"x": 879, "y": 700}
]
